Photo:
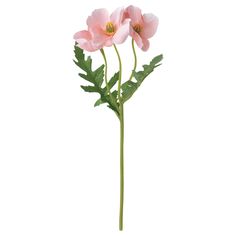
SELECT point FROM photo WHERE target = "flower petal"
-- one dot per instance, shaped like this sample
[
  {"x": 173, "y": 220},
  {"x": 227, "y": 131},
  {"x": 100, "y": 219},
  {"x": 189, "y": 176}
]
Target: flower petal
[
  {"x": 117, "y": 16},
  {"x": 84, "y": 34},
  {"x": 99, "y": 18},
  {"x": 122, "y": 33},
  {"x": 150, "y": 23},
  {"x": 109, "y": 42},
  {"x": 134, "y": 14},
  {"x": 99, "y": 37},
  {"x": 136, "y": 37},
  {"x": 85, "y": 41},
  {"x": 146, "y": 44}
]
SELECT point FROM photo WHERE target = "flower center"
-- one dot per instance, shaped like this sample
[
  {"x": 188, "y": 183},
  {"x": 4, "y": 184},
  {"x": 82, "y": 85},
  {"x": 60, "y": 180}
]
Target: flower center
[
  {"x": 137, "y": 28},
  {"x": 110, "y": 28}
]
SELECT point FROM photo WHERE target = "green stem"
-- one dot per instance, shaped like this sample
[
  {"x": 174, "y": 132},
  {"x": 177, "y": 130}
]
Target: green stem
[
  {"x": 135, "y": 60},
  {"x": 120, "y": 73},
  {"x": 121, "y": 167},
  {"x": 106, "y": 81},
  {"x": 105, "y": 61},
  {"x": 121, "y": 116}
]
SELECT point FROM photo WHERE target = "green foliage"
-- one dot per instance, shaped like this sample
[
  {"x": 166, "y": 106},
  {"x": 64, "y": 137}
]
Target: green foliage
[
  {"x": 113, "y": 80},
  {"x": 96, "y": 78},
  {"x": 130, "y": 87},
  {"x": 103, "y": 99}
]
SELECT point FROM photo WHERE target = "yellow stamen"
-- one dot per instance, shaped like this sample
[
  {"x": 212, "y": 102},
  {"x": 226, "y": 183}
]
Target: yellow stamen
[
  {"x": 137, "y": 28},
  {"x": 110, "y": 28}
]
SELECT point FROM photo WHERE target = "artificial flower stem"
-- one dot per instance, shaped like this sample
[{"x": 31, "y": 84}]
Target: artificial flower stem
[
  {"x": 135, "y": 60},
  {"x": 120, "y": 73},
  {"x": 121, "y": 166},
  {"x": 121, "y": 116},
  {"x": 106, "y": 81},
  {"x": 105, "y": 61}
]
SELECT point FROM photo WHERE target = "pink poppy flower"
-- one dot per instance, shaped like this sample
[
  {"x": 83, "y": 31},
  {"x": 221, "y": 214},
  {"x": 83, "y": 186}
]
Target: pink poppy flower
[
  {"x": 142, "y": 27},
  {"x": 108, "y": 30},
  {"x": 103, "y": 30}
]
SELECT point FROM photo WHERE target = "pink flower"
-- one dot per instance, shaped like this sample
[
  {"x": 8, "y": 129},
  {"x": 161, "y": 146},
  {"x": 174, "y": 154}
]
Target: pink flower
[
  {"x": 103, "y": 30},
  {"x": 142, "y": 27},
  {"x": 108, "y": 29}
]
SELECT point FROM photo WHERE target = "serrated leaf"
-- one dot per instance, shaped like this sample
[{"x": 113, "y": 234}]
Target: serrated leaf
[
  {"x": 113, "y": 80},
  {"x": 99, "y": 74},
  {"x": 130, "y": 87},
  {"x": 103, "y": 99},
  {"x": 96, "y": 78},
  {"x": 90, "y": 89},
  {"x": 157, "y": 59},
  {"x": 99, "y": 102},
  {"x": 85, "y": 77}
]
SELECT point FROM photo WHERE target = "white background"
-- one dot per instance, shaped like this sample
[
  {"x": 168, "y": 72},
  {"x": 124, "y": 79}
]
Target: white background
[{"x": 59, "y": 156}]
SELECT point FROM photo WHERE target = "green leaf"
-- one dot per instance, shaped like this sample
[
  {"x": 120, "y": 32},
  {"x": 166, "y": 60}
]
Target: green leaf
[
  {"x": 99, "y": 102},
  {"x": 103, "y": 99},
  {"x": 113, "y": 80},
  {"x": 130, "y": 87},
  {"x": 96, "y": 78},
  {"x": 157, "y": 59},
  {"x": 90, "y": 89},
  {"x": 85, "y": 77},
  {"x": 99, "y": 74}
]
